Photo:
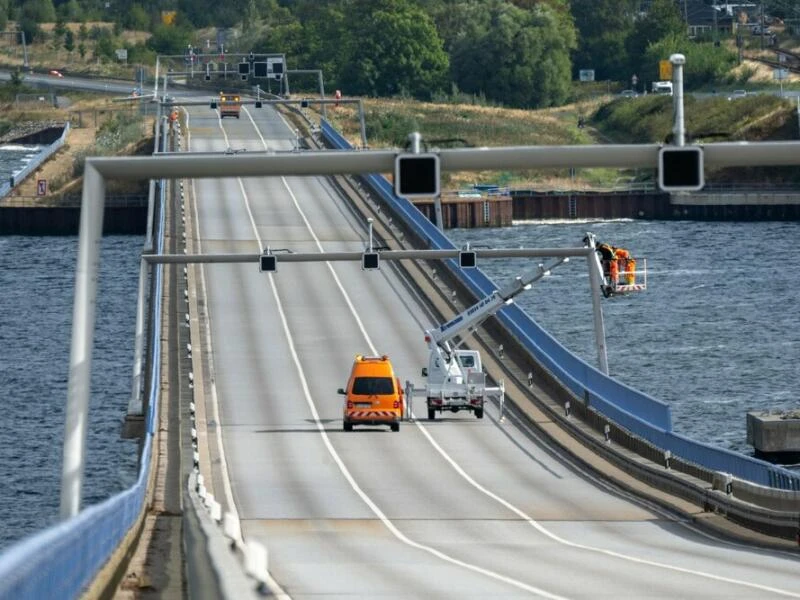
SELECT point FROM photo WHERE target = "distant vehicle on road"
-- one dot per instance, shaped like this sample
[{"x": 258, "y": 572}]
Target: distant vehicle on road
[
  {"x": 736, "y": 94},
  {"x": 55, "y": 73},
  {"x": 662, "y": 88},
  {"x": 628, "y": 94}
]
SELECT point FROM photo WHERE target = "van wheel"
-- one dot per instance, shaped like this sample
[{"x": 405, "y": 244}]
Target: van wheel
[
  {"x": 479, "y": 413},
  {"x": 395, "y": 426},
  {"x": 431, "y": 414},
  {"x": 348, "y": 426}
]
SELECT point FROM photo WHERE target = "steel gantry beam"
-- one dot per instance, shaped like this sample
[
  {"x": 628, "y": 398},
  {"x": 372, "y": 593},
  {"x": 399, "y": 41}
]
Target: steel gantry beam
[
  {"x": 293, "y": 257},
  {"x": 344, "y": 162}
]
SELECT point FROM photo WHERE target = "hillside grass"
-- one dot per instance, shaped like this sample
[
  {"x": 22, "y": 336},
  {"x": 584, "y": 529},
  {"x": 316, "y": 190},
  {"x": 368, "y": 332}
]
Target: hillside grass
[
  {"x": 647, "y": 119},
  {"x": 389, "y": 121}
]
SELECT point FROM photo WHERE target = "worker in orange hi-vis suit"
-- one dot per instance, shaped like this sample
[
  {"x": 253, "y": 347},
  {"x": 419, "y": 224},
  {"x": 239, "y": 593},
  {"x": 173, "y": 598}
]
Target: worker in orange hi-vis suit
[{"x": 628, "y": 265}]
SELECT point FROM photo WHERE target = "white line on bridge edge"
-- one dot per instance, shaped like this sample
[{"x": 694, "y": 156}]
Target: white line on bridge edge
[{"x": 273, "y": 585}]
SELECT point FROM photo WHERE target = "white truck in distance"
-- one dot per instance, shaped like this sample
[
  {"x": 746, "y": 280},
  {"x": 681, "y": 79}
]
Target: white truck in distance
[
  {"x": 662, "y": 88},
  {"x": 455, "y": 377}
]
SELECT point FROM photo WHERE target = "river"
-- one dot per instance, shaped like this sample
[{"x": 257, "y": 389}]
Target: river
[{"x": 716, "y": 334}]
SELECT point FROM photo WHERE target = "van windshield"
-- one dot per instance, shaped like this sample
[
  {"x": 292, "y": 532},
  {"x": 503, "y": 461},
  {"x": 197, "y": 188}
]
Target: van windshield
[{"x": 373, "y": 386}]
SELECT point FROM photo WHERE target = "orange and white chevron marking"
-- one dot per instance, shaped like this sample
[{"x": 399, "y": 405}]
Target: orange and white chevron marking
[{"x": 373, "y": 414}]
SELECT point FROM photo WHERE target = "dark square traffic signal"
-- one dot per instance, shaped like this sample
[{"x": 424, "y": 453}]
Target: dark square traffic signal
[
  {"x": 467, "y": 259},
  {"x": 680, "y": 169},
  {"x": 416, "y": 175},
  {"x": 267, "y": 263},
  {"x": 370, "y": 261}
]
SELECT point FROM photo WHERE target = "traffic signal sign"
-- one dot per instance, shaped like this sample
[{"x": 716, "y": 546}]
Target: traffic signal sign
[
  {"x": 370, "y": 261},
  {"x": 416, "y": 175},
  {"x": 467, "y": 259},
  {"x": 680, "y": 169},
  {"x": 267, "y": 263}
]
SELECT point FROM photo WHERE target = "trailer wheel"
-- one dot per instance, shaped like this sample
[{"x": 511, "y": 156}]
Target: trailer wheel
[
  {"x": 348, "y": 426},
  {"x": 479, "y": 413},
  {"x": 431, "y": 414},
  {"x": 395, "y": 426}
]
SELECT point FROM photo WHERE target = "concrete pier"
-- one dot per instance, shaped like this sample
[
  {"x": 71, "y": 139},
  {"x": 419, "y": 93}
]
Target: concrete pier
[{"x": 775, "y": 436}]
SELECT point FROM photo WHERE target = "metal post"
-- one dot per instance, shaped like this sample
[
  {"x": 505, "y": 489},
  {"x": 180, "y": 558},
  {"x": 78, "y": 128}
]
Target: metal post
[
  {"x": 322, "y": 95},
  {"x": 361, "y": 123},
  {"x": 155, "y": 82},
  {"x": 369, "y": 222},
  {"x": 80, "y": 360},
  {"x": 25, "y": 64},
  {"x": 679, "y": 129},
  {"x": 415, "y": 140},
  {"x": 595, "y": 283},
  {"x": 135, "y": 406},
  {"x": 135, "y": 403}
]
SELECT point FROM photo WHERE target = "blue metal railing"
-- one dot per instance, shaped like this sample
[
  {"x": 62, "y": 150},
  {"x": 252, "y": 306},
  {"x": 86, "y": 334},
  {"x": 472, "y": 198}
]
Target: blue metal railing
[
  {"x": 16, "y": 178},
  {"x": 61, "y": 561},
  {"x": 637, "y": 412}
]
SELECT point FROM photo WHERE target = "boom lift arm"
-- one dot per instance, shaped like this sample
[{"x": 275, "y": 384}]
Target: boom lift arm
[{"x": 440, "y": 337}]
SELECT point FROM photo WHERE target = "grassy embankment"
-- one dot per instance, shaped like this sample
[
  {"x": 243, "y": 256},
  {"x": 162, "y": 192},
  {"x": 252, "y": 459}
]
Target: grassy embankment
[{"x": 609, "y": 119}]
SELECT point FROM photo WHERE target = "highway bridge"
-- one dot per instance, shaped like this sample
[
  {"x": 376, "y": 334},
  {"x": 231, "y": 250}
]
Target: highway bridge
[{"x": 255, "y": 489}]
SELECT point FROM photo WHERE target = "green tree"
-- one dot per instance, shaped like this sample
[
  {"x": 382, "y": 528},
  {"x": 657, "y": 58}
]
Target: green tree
[
  {"x": 60, "y": 27},
  {"x": 83, "y": 32},
  {"x": 70, "y": 11},
  {"x": 104, "y": 48},
  {"x": 455, "y": 19},
  {"x": 38, "y": 11},
  {"x": 520, "y": 57},
  {"x": 31, "y": 29},
  {"x": 168, "y": 39},
  {"x": 603, "y": 28},
  {"x": 398, "y": 50},
  {"x": 69, "y": 41},
  {"x": 705, "y": 63},
  {"x": 82, "y": 50},
  {"x": 137, "y": 18},
  {"x": 662, "y": 20}
]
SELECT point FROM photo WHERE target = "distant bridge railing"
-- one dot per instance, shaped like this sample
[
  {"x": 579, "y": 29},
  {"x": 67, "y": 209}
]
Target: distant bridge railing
[
  {"x": 641, "y": 414},
  {"x": 16, "y": 178}
]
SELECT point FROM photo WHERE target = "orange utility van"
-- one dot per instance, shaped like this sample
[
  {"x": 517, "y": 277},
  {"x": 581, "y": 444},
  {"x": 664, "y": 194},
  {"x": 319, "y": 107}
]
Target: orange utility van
[{"x": 373, "y": 395}]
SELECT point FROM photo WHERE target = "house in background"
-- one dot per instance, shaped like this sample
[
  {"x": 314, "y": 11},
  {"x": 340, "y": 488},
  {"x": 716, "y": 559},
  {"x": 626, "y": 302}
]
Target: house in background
[{"x": 703, "y": 20}]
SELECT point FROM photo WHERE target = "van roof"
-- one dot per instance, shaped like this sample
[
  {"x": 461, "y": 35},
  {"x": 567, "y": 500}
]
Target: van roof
[{"x": 365, "y": 366}]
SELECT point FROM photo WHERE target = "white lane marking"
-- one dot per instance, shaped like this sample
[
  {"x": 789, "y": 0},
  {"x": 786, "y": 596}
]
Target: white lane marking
[
  {"x": 536, "y": 525},
  {"x": 321, "y": 427},
  {"x": 214, "y": 398},
  {"x": 273, "y": 585},
  {"x": 652, "y": 506}
]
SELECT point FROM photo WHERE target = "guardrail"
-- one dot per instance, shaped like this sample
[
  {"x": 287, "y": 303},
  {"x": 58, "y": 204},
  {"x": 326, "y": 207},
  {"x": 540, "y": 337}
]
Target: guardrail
[
  {"x": 61, "y": 561},
  {"x": 37, "y": 160},
  {"x": 641, "y": 414}
]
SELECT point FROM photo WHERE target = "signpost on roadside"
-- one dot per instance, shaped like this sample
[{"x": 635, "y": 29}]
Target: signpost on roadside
[{"x": 780, "y": 75}]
